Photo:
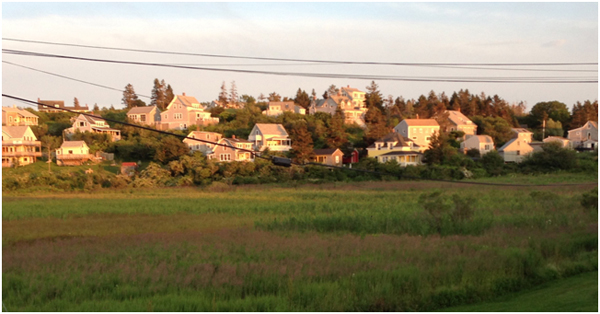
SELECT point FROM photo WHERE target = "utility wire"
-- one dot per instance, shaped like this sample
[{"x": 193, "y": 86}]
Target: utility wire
[
  {"x": 280, "y": 161},
  {"x": 300, "y": 60},
  {"x": 70, "y": 78},
  {"x": 319, "y": 75}
]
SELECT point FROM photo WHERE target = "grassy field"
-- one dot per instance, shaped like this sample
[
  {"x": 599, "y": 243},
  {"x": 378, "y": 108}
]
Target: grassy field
[
  {"x": 370, "y": 246},
  {"x": 575, "y": 294}
]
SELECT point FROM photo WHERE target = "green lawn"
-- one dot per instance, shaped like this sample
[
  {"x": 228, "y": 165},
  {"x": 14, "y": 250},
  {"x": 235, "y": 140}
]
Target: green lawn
[{"x": 575, "y": 294}]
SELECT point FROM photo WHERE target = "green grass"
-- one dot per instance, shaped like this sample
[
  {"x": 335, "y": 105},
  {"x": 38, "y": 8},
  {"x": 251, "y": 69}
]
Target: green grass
[
  {"x": 575, "y": 294},
  {"x": 327, "y": 247}
]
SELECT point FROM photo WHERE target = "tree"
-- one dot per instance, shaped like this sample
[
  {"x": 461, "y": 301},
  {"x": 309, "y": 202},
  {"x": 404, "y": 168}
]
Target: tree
[
  {"x": 554, "y": 128},
  {"x": 96, "y": 108},
  {"x": 376, "y": 125},
  {"x": 76, "y": 103},
  {"x": 497, "y": 128},
  {"x": 233, "y": 96},
  {"x": 170, "y": 148},
  {"x": 554, "y": 110},
  {"x": 302, "y": 143},
  {"x": 130, "y": 99},
  {"x": 169, "y": 93},
  {"x": 493, "y": 163},
  {"x": 302, "y": 99},
  {"x": 223, "y": 97},
  {"x": 582, "y": 113},
  {"x": 50, "y": 143},
  {"x": 439, "y": 149},
  {"x": 332, "y": 91},
  {"x": 159, "y": 95},
  {"x": 336, "y": 133},
  {"x": 274, "y": 97},
  {"x": 373, "y": 97}
]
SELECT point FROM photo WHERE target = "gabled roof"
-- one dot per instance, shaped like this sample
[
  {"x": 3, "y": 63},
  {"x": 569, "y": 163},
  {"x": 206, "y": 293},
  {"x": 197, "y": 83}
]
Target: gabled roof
[
  {"x": 400, "y": 153},
  {"x": 483, "y": 138},
  {"x": 51, "y": 103},
  {"x": 394, "y": 137},
  {"x": 15, "y": 131},
  {"x": 328, "y": 101},
  {"x": 67, "y": 144},
  {"x": 20, "y": 111},
  {"x": 594, "y": 123},
  {"x": 271, "y": 129},
  {"x": 187, "y": 101},
  {"x": 92, "y": 120},
  {"x": 141, "y": 110},
  {"x": 198, "y": 133},
  {"x": 507, "y": 144},
  {"x": 521, "y": 130},
  {"x": 421, "y": 122},
  {"x": 458, "y": 118},
  {"x": 326, "y": 151}
]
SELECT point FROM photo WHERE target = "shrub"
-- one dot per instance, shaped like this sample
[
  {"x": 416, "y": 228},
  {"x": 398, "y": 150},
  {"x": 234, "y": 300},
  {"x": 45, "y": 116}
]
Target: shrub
[{"x": 589, "y": 200}]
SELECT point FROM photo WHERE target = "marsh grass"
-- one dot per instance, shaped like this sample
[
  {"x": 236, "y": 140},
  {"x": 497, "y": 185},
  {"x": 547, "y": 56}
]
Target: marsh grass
[{"x": 342, "y": 247}]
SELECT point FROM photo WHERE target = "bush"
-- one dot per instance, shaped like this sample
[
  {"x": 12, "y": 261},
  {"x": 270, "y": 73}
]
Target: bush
[{"x": 589, "y": 200}]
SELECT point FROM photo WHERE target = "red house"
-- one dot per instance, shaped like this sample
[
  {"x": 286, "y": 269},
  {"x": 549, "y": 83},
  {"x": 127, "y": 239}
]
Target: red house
[{"x": 350, "y": 158}]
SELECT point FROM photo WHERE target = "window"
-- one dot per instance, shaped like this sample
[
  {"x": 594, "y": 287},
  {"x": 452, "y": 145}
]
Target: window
[
  {"x": 337, "y": 159},
  {"x": 225, "y": 157},
  {"x": 70, "y": 152},
  {"x": 81, "y": 123},
  {"x": 487, "y": 147},
  {"x": 321, "y": 159},
  {"x": 143, "y": 118},
  {"x": 428, "y": 138},
  {"x": 518, "y": 152},
  {"x": 414, "y": 138}
]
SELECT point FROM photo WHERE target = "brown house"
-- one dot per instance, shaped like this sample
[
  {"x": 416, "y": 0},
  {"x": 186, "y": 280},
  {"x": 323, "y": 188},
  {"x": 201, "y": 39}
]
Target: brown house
[{"x": 328, "y": 156}]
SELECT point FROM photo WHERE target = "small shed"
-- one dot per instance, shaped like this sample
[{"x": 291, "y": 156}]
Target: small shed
[
  {"x": 129, "y": 168},
  {"x": 350, "y": 158}
]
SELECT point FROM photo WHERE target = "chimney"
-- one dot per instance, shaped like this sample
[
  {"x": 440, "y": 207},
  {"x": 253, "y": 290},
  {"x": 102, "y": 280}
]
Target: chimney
[
  {"x": 233, "y": 136},
  {"x": 183, "y": 93},
  {"x": 417, "y": 116},
  {"x": 458, "y": 109}
]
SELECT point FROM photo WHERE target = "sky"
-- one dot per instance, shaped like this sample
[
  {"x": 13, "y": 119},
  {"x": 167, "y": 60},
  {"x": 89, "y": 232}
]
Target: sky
[{"x": 392, "y": 32}]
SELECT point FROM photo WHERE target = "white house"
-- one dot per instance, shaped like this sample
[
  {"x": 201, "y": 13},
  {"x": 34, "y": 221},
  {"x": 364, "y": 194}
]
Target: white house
[
  {"x": 585, "y": 137},
  {"x": 483, "y": 143},
  {"x": 272, "y": 136}
]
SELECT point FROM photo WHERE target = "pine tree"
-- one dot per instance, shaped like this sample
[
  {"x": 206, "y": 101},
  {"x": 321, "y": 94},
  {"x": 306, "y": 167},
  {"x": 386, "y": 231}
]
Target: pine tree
[
  {"x": 169, "y": 94},
  {"x": 336, "y": 133},
  {"x": 373, "y": 97},
  {"x": 376, "y": 125},
  {"x": 313, "y": 94},
  {"x": 129, "y": 97},
  {"x": 223, "y": 98},
  {"x": 332, "y": 91},
  {"x": 302, "y": 143},
  {"x": 96, "y": 108},
  {"x": 233, "y": 96},
  {"x": 302, "y": 99},
  {"x": 159, "y": 96},
  {"x": 274, "y": 97}
]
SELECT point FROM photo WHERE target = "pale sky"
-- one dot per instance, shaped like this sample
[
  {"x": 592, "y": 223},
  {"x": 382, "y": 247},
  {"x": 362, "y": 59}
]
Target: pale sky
[{"x": 379, "y": 32}]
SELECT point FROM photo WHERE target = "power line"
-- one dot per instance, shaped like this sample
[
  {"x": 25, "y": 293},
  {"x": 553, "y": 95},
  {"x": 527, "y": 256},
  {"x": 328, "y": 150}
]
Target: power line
[
  {"x": 319, "y": 75},
  {"x": 70, "y": 78},
  {"x": 287, "y": 162},
  {"x": 300, "y": 60}
]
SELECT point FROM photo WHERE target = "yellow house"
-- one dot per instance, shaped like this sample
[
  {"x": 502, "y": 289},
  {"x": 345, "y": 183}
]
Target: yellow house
[
  {"x": 72, "y": 153},
  {"x": 19, "y": 146},
  {"x": 270, "y": 135},
  {"x": 16, "y": 116},
  {"x": 328, "y": 156},
  {"x": 419, "y": 131},
  {"x": 460, "y": 122},
  {"x": 396, "y": 147},
  {"x": 517, "y": 148}
]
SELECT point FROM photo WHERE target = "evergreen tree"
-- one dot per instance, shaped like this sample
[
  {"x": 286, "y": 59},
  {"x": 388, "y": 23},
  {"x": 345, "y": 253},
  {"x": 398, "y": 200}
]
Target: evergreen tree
[
  {"x": 336, "y": 133},
  {"x": 313, "y": 94},
  {"x": 159, "y": 95},
  {"x": 169, "y": 94},
  {"x": 583, "y": 113},
  {"x": 223, "y": 97},
  {"x": 129, "y": 97},
  {"x": 302, "y": 99},
  {"x": 96, "y": 108},
  {"x": 332, "y": 91},
  {"x": 302, "y": 143},
  {"x": 76, "y": 103},
  {"x": 376, "y": 125},
  {"x": 373, "y": 97},
  {"x": 439, "y": 149},
  {"x": 233, "y": 96}
]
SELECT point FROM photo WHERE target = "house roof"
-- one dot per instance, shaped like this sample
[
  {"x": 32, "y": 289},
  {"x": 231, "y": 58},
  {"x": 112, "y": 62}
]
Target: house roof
[
  {"x": 521, "y": 130},
  {"x": 484, "y": 138},
  {"x": 421, "y": 122},
  {"x": 67, "y": 144},
  {"x": 139, "y": 110},
  {"x": 51, "y": 103},
  {"x": 129, "y": 164},
  {"x": 238, "y": 140},
  {"x": 397, "y": 153},
  {"x": 507, "y": 144},
  {"x": 458, "y": 118},
  {"x": 400, "y": 140},
  {"x": 187, "y": 101},
  {"x": 15, "y": 131},
  {"x": 287, "y": 104},
  {"x": 555, "y": 138},
  {"x": 20, "y": 111},
  {"x": 272, "y": 129},
  {"x": 322, "y": 102},
  {"x": 326, "y": 151},
  {"x": 198, "y": 133},
  {"x": 594, "y": 123}
]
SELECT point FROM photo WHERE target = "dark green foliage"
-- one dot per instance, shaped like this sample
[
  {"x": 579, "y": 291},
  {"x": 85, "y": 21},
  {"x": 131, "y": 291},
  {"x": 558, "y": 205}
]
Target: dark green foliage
[
  {"x": 553, "y": 157},
  {"x": 170, "y": 148},
  {"x": 473, "y": 153},
  {"x": 499, "y": 129},
  {"x": 589, "y": 200},
  {"x": 302, "y": 144},
  {"x": 440, "y": 151},
  {"x": 493, "y": 163}
]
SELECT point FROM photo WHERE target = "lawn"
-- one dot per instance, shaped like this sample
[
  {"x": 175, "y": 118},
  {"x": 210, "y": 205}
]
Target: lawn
[{"x": 369, "y": 246}]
